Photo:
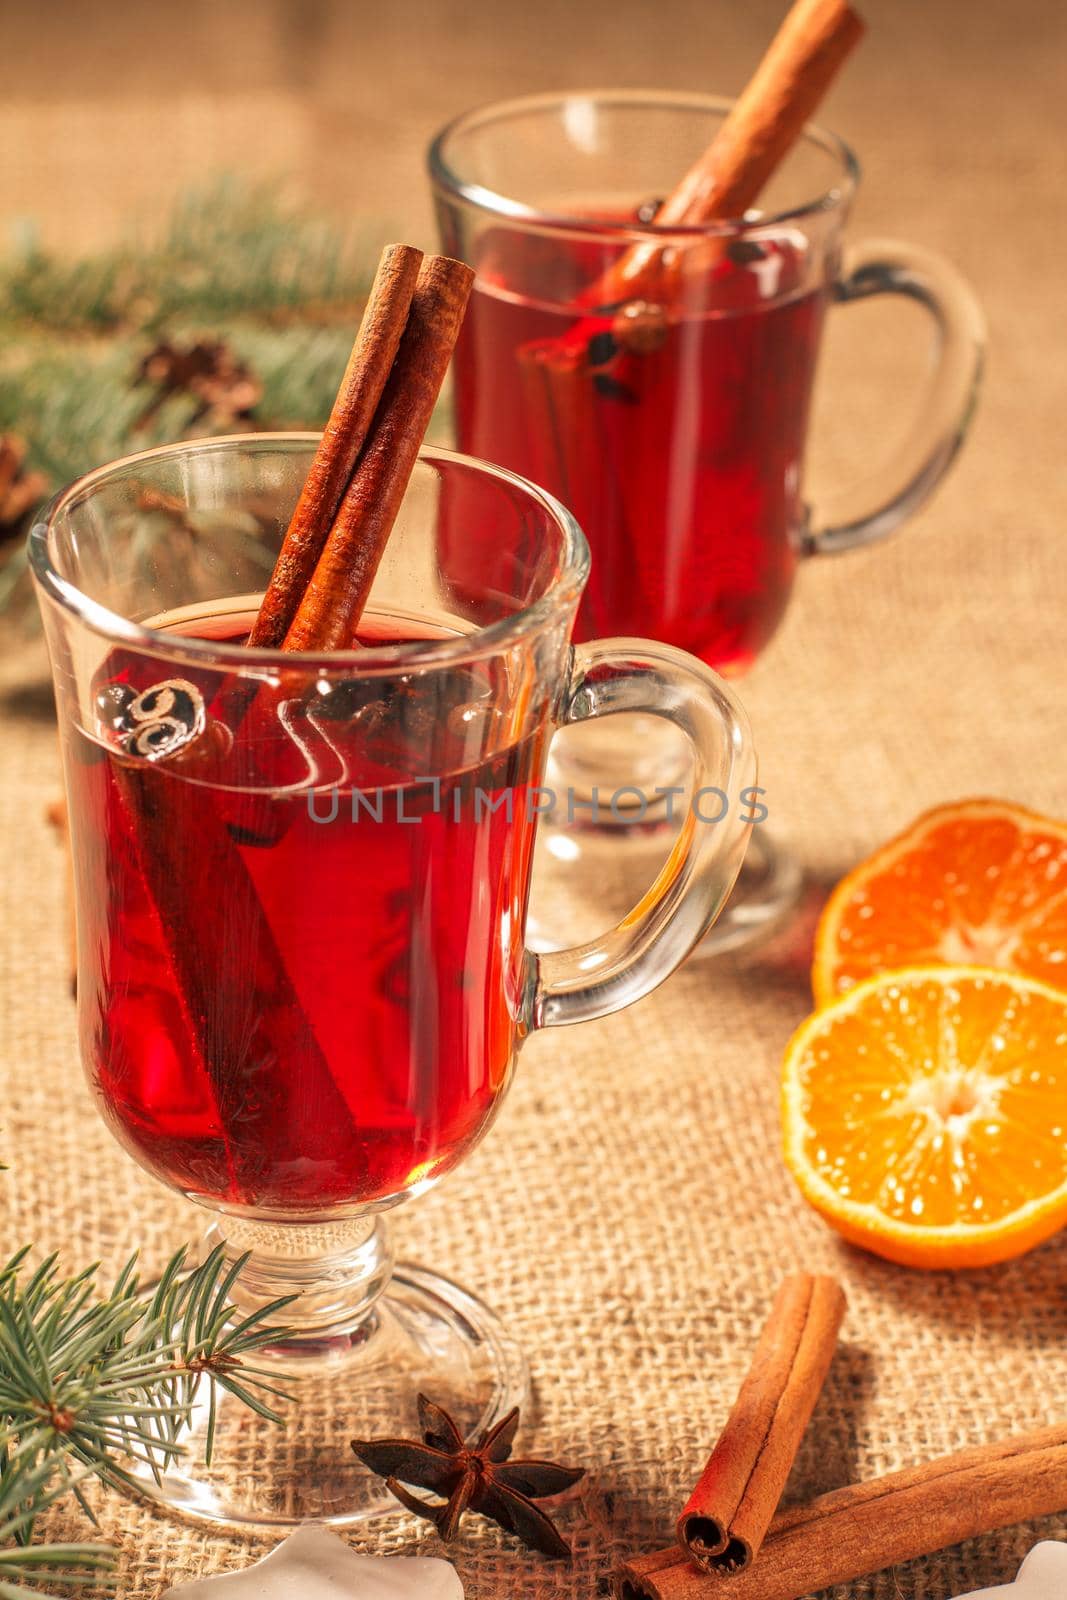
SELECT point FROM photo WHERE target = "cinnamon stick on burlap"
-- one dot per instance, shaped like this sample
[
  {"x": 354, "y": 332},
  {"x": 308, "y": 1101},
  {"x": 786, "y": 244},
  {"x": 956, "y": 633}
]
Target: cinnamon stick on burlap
[
  {"x": 731, "y": 1507},
  {"x": 849, "y": 1533}
]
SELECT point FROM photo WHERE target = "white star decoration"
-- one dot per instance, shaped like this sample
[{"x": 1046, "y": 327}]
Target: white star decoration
[
  {"x": 315, "y": 1564},
  {"x": 1042, "y": 1576}
]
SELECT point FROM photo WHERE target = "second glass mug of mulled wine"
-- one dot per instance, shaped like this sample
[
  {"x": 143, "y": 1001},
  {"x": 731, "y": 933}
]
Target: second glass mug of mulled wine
[
  {"x": 301, "y": 890},
  {"x": 675, "y": 431}
]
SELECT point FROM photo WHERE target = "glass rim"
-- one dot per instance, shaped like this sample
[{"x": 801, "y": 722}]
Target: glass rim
[
  {"x": 443, "y": 177},
  {"x": 415, "y": 654}
]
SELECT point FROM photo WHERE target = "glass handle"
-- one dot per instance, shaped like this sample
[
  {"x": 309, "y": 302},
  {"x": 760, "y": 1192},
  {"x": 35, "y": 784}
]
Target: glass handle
[
  {"x": 621, "y": 966},
  {"x": 872, "y": 508}
]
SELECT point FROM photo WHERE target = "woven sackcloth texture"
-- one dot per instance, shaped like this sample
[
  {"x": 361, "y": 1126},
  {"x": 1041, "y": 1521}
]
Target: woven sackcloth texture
[{"x": 629, "y": 1214}]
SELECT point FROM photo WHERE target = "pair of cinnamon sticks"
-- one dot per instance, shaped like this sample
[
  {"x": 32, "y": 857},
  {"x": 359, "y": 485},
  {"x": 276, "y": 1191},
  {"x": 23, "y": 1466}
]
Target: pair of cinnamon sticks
[
  {"x": 244, "y": 1014},
  {"x": 849, "y": 1533},
  {"x": 731, "y": 1542},
  {"x": 350, "y": 499}
]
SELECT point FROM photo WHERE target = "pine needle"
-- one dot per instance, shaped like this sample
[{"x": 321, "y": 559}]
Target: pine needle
[
  {"x": 95, "y": 1380},
  {"x": 285, "y": 289}
]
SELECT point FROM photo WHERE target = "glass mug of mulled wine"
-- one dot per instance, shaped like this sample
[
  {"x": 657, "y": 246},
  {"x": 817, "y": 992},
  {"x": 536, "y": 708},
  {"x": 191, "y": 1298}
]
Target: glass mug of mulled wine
[
  {"x": 674, "y": 431},
  {"x": 301, "y": 888}
]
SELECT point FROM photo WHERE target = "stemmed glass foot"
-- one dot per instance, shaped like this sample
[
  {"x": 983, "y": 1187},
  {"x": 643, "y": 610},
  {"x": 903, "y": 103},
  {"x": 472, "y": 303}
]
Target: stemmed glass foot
[{"x": 422, "y": 1333}]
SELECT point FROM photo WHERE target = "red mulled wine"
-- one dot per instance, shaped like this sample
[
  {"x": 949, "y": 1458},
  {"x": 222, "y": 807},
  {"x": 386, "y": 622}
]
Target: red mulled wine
[
  {"x": 306, "y": 998},
  {"x": 676, "y": 441}
]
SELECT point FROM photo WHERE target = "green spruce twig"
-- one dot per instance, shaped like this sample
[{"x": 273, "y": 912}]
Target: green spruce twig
[
  {"x": 229, "y": 248},
  {"x": 91, "y": 1383},
  {"x": 234, "y": 262},
  {"x": 25, "y": 1493}
]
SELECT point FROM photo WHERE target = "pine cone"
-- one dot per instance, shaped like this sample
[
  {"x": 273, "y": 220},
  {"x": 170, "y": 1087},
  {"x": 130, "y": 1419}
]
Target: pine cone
[
  {"x": 20, "y": 492},
  {"x": 226, "y": 389}
]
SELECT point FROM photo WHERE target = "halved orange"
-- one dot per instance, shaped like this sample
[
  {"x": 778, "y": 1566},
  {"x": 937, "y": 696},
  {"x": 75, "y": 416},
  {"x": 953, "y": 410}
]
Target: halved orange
[
  {"x": 925, "y": 1114},
  {"x": 980, "y": 883}
]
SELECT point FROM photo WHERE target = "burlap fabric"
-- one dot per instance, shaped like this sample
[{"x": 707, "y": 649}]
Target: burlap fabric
[{"x": 629, "y": 1214}]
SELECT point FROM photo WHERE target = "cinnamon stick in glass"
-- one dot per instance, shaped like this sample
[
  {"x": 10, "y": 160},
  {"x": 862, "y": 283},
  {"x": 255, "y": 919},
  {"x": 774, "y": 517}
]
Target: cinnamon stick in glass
[
  {"x": 257, "y": 1046},
  {"x": 761, "y": 128},
  {"x": 731, "y": 1508},
  {"x": 337, "y": 590},
  {"x": 852, "y": 1532},
  {"x": 769, "y": 115},
  {"x": 239, "y": 998},
  {"x": 343, "y": 437}
]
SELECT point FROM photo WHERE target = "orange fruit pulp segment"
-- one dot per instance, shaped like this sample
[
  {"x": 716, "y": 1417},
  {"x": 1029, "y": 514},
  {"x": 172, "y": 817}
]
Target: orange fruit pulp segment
[
  {"x": 925, "y": 1115},
  {"x": 980, "y": 883}
]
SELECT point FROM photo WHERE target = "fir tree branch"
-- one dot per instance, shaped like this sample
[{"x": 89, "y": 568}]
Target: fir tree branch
[
  {"x": 229, "y": 249},
  {"x": 91, "y": 1382},
  {"x": 25, "y": 1493},
  {"x": 285, "y": 288}
]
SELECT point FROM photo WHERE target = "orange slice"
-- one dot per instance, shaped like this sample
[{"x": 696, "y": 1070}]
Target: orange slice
[
  {"x": 925, "y": 1114},
  {"x": 980, "y": 883}
]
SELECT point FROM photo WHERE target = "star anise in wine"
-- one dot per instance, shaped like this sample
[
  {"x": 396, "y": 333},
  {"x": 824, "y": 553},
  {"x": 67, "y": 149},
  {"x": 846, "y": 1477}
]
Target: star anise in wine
[{"x": 477, "y": 1478}]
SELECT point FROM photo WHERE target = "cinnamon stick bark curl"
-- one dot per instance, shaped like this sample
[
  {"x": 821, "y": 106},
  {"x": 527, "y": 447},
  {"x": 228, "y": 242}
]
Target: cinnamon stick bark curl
[
  {"x": 849, "y": 1533},
  {"x": 731, "y": 1507}
]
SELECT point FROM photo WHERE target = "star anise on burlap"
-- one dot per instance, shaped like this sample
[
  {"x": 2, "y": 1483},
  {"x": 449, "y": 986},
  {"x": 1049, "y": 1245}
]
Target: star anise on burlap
[
  {"x": 479, "y": 1478},
  {"x": 20, "y": 491},
  {"x": 226, "y": 389}
]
